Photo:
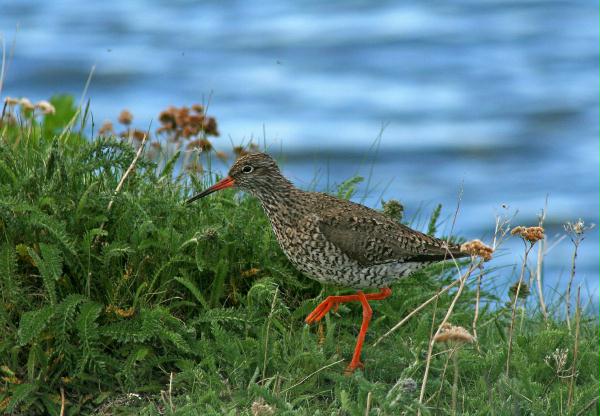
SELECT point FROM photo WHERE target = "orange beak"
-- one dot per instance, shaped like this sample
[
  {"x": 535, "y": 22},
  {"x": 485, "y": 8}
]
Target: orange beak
[{"x": 228, "y": 182}]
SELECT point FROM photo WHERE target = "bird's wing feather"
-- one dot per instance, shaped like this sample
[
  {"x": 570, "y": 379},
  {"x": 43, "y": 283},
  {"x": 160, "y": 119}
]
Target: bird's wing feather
[{"x": 369, "y": 237}]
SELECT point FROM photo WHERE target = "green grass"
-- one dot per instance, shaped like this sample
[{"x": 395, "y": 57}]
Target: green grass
[{"x": 157, "y": 307}]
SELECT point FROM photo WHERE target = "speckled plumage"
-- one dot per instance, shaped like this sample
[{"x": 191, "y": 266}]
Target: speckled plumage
[{"x": 332, "y": 240}]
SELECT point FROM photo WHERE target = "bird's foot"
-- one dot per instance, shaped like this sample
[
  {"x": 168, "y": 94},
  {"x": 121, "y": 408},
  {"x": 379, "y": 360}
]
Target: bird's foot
[
  {"x": 320, "y": 311},
  {"x": 353, "y": 366}
]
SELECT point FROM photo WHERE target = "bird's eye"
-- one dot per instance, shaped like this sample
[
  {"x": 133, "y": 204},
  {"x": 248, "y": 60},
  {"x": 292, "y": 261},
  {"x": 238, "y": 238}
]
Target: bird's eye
[{"x": 247, "y": 169}]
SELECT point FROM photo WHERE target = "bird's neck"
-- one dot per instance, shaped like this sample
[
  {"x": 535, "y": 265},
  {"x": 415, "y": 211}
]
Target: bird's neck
[{"x": 280, "y": 200}]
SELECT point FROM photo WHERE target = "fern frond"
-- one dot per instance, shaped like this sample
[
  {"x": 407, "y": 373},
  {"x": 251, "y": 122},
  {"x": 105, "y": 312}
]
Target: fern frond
[
  {"x": 189, "y": 285},
  {"x": 33, "y": 323},
  {"x": 55, "y": 229},
  {"x": 22, "y": 394},
  {"x": 86, "y": 324},
  {"x": 64, "y": 316},
  {"x": 50, "y": 267}
]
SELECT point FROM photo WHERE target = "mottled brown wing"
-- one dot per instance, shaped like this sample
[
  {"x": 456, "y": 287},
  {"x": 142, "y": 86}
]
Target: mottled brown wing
[{"x": 370, "y": 238}]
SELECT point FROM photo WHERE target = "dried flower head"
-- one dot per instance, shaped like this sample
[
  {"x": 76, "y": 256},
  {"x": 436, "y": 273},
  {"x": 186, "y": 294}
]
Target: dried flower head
[
  {"x": 250, "y": 272},
  {"x": 260, "y": 408},
  {"x": 45, "y": 107},
  {"x": 476, "y": 248},
  {"x": 531, "y": 234},
  {"x": 123, "y": 313},
  {"x": 393, "y": 209},
  {"x": 222, "y": 156},
  {"x": 11, "y": 101},
  {"x": 557, "y": 360},
  {"x": 106, "y": 129},
  {"x": 26, "y": 104},
  {"x": 125, "y": 117},
  {"x": 240, "y": 151},
  {"x": 198, "y": 108},
  {"x": 578, "y": 228},
  {"x": 139, "y": 135},
  {"x": 210, "y": 126},
  {"x": 455, "y": 334},
  {"x": 167, "y": 117}
]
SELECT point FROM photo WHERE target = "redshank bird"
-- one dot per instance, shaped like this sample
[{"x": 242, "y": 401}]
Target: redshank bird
[{"x": 335, "y": 241}]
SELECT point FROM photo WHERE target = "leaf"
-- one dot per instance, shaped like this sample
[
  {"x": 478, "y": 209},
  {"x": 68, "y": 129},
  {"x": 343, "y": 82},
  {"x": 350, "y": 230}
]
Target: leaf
[
  {"x": 86, "y": 323},
  {"x": 347, "y": 188},
  {"x": 435, "y": 215},
  {"x": 55, "y": 229},
  {"x": 33, "y": 323},
  {"x": 65, "y": 311},
  {"x": 81, "y": 205},
  {"x": 193, "y": 289},
  {"x": 19, "y": 395},
  {"x": 8, "y": 270},
  {"x": 170, "y": 165},
  {"x": 50, "y": 267},
  {"x": 176, "y": 339}
]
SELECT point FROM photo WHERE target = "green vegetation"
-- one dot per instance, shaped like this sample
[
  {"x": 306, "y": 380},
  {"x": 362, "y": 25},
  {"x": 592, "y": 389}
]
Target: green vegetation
[{"x": 147, "y": 306}]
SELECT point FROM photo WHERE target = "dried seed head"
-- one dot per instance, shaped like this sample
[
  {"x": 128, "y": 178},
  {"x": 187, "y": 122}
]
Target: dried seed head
[
  {"x": 167, "y": 117},
  {"x": 210, "y": 126},
  {"x": 125, "y": 117},
  {"x": 578, "y": 228},
  {"x": 531, "y": 234},
  {"x": 123, "y": 313},
  {"x": 456, "y": 334},
  {"x": 26, "y": 104},
  {"x": 250, "y": 272},
  {"x": 138, "y": 135},
  {"x": 11, "y": 101},
  {"x": 45, "y": 107},
  {"x": 106, "y": 129},
  {"x": 260, "y": 408},
  {"x": 198, "y": 108},
  {"x": 222, "y": 156},
  {"x": 476, "y": 248}
]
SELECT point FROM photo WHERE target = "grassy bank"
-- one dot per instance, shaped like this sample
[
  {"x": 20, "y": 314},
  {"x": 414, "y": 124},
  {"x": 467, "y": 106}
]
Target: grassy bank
[{"x": 115, "y": 298}]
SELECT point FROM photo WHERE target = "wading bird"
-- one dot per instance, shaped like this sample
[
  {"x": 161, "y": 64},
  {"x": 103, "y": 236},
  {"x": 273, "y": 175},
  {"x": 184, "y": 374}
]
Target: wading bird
[{"x": 335, "y": 241}]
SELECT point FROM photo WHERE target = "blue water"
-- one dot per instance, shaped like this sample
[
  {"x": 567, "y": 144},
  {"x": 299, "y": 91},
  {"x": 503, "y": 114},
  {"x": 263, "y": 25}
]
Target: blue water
[{"x": 497, "y": 98}]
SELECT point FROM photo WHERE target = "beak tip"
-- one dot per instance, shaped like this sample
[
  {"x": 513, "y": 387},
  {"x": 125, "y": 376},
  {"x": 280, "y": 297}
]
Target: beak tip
[{"x": 225, "y": 183}]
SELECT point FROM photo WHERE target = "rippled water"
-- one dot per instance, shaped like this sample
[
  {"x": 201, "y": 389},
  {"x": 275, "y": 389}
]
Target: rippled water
[{"x": 498, "y": 98}]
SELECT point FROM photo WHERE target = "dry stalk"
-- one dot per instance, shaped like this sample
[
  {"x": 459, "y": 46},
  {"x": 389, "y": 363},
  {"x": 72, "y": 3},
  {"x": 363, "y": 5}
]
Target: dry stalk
[
  {"x": 514, "y": 306},
  {"x": 455, "y": 381},
  {"x": 570, "y": 284},
  {"x": 477, "y": 300},
  {"x": 540, "y": 262},
  {"x": 127, "y": 172},
  {"x": 311, "y": 374},
  {"x": 368, "y": 407},
  {"x": 462, "y": 280},
  {"x": 576, "y": 232},
  {"x": 415, "y": 311},
  {"x": 122, "y": 181},
  {"x": 62, "y": 401},
  {"x": 575, "y": 349}
]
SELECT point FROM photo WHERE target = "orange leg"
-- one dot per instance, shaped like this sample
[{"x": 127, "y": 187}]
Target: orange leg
[{"x": 333, "y": 302}]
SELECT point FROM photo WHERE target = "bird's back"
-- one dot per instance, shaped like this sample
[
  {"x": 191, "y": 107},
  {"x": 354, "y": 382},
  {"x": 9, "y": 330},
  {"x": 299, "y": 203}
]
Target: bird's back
[{"x": 341, "y": 242}]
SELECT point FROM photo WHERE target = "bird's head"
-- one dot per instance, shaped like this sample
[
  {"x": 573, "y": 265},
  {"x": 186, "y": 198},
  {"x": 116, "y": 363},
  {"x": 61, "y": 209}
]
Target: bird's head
[{"x": 255, "y": 173}]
